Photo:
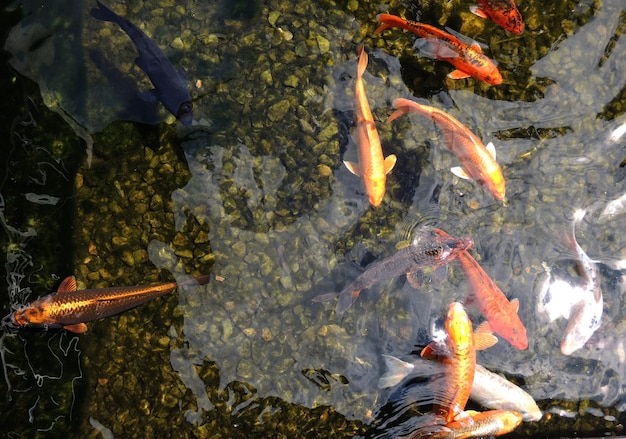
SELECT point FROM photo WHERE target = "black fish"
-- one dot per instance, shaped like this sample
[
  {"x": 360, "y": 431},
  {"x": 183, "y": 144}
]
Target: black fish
[{"x": 169, "y": 85}]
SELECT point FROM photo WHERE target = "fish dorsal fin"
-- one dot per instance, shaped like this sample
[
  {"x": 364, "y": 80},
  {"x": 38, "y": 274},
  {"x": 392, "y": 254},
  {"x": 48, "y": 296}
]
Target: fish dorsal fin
[
  {"x": 67, "y": 285},
  {"x": 460, "y": 172},
  {"x": 477, "y": 11},
  {"x": 491, "y": 149},
  {"x": 458, "y": 74},
  {"x": 79, "y": 328},
  {"x": 390, "y": 162},
  {"x": 353, "y": 167}
]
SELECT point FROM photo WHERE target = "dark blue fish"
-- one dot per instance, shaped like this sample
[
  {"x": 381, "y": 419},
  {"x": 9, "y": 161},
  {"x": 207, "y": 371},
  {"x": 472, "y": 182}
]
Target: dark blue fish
[{"x": 169, "y": 85}]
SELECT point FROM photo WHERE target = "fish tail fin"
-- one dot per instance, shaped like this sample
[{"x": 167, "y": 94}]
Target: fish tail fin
[
  {"x": 103, "y": 13},
  {"x": 397, "y": 370},
  {"x": 363, "y": 59}
]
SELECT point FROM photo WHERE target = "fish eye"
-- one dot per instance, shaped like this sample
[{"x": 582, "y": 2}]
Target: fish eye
[
  {"x": 434, "y": 252},
  {"x": 185, "y": 108}
]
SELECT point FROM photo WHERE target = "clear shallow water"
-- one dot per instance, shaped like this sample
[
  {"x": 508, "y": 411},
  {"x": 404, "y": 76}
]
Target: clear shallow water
[{"x": 256, "y": 194}]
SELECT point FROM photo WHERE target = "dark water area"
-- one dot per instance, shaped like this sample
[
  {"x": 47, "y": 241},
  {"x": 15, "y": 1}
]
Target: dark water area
[{"x": 101, "y": 182}]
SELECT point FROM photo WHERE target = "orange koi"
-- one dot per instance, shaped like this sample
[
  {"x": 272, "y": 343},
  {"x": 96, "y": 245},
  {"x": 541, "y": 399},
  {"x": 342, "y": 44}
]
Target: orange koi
[
  {"x": 371, "y": 166},
  {"x": 459, "y": 358},
  {"x": 504, "y": 13},
  {"x": 499, "y": 312},
  {"x": 468, "y": 59},
  {"x": 479, "y": 161},
  {"x": 70, "y": 309},
  {"x": 480, "y": 424}
]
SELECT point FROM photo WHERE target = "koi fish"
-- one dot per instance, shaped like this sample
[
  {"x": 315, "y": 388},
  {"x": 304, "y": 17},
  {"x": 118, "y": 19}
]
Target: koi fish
[
  {"x": 479, "y": 162},
  {"x": 169, "y": 83},
  {"x": 70, "y": 309},
  {"x": 581, "y": 302},
  {"x": 371, "y": 166},
  {"x": 436, "y": 249},
  {"x": 468, "y": 59},
  {"x": 489, "y": 389},
  {"x": 504, "y": 13},
  {"x": 459, "y": 359},
  {"x": 480, "y": 424},
  {"x": 499, "y": 312}
]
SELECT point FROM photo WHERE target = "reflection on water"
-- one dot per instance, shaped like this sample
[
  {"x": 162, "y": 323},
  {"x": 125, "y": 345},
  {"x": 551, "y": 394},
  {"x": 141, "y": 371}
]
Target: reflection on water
[{"x": 257, "y": 196}]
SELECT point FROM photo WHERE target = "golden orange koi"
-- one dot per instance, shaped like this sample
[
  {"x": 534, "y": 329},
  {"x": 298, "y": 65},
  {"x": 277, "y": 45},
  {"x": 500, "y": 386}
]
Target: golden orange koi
[
  {"x": 371, "y": 166},
  {"x": 70, "y": 309},
  {"x": 480, "y": 424},
  {"x": 459, "y": 358},
  {"x": 479, "y": 162},
  {"x": 468, "y": 59}
]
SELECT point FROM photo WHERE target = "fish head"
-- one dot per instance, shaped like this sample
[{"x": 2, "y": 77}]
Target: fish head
[
  {"x": 458, "y": 324},
  {"x": 375, "y": 188},
  {"x": 509, "y": 419},
  {"x": 495, "y": 183},
  {"x": 185, "y": 113},
  {"x": 493, "y": 76},
  {"x": 443, "y": 247},
  {"x": 30, "y": 315}
]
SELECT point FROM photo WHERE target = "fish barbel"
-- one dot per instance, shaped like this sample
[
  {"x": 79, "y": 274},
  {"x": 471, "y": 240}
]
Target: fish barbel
[
  {"x": 436, "y": 249},
  {"x": 70, "y": 309}
]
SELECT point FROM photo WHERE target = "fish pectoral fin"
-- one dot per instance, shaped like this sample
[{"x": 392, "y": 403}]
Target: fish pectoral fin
[
  {"x": 477, "y": 11},
  {"x": 390, "y": 162},
  {"x": 67, "y": 285},
  {"x": 460, "y": 172},
  {"x": 434, "y": 49},
  {"x": 491, "y": 149},
  {"x": 79, "y": 328},
  {"x": 484, "y": 340},
  {"x": 353, "y": 167},
  {"x": 397, "y": 370},
  {"x": 458, "y": 74},
  {"x": 428, "y": 352},
  {"x": 515, "y": 305}
]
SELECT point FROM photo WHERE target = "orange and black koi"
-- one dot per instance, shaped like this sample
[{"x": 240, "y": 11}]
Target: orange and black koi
[
  {"x": 469, "y": 60},
  {"x": 70, "y": 309},
  {"x": 504, "y": 13}
]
